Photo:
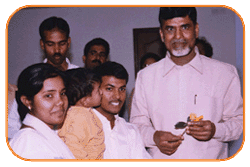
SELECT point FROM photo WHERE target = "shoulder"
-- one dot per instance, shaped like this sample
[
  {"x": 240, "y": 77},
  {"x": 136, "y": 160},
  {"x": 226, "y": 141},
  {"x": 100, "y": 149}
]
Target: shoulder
[
  {"x": 26, "y": 139},
  {"x": 131, "y": 128},
  {"x": 26, "y": 134},
  {"x": 31, "y": 144},
  {"x": 219, "y": 67},
  {"x": 152, "y": 71},
  {"x": 78, "y": 112},
  {"x": 154, "y": 67},
  {"x": 80, "y": 118}
]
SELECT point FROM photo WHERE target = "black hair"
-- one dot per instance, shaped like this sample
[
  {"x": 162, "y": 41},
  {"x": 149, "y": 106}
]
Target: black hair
[
  {"x": 51, "y": 23},
  {"x": 30, "y": 82},
  {"x": 149, "y": 55},
  {"x": 79, "y": 84},
  {"x": 206, "y": 46},
  {"x": 97, "y": 41},
  {"x": 172, "y": 12},
  {"x": 112, "y": 69}
]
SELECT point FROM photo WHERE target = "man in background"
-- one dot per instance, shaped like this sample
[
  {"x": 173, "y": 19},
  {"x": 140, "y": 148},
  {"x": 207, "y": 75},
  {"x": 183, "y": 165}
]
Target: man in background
[
  {"x": 55, "y": 42},
  {"x": 205, "y": 48},
  {"x": 96, "y": 52}
]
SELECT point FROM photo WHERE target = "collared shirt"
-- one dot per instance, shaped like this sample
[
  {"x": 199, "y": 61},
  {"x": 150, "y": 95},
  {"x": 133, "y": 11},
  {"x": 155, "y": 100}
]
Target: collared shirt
[
  {"x": 166, "y": 93},
  {"x": 39, "y": 142},
  {"x": 82, "y": 132},
  {"x": 70, "y": 66},
  {"x": 123, "y": 141}
]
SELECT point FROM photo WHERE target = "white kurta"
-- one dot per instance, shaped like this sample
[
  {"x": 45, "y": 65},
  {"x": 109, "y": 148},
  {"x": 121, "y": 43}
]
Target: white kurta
[
  {"x": 123, "y": 141},
  {"x": 166, "y": 93},
  {"x": 39, "y": 142}
]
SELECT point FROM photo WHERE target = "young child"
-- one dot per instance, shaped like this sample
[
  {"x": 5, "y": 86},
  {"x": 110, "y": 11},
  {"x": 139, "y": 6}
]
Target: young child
[{"x": 82, "y": 130}]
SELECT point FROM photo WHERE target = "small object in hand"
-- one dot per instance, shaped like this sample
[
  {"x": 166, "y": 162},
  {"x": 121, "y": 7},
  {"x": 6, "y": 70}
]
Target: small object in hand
[
  {"x": 180, "y": 125},
  {"x": 199, "y": 118},
  {"x": 193, "y": 117}
]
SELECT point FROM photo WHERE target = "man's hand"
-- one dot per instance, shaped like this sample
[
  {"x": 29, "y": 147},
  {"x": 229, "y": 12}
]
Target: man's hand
[
  {"x": 201, "y": 130},
  {"x": 167, "y": 142}
]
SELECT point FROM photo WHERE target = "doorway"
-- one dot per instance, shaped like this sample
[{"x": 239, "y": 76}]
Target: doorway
[{"x": 147, "y": 40}]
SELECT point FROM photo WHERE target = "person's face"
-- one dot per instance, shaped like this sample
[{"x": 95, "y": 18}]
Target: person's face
[
  {"x": 148, "y": 61},
  {"x": 179, "y": 35},
  {"x": 113, "y": 97},
  {"x": 95, "y": 57},
  {"x": 95, "y": 99},
  {"x": 55, "y": 46},
  {"x": 50, "y": 104}
]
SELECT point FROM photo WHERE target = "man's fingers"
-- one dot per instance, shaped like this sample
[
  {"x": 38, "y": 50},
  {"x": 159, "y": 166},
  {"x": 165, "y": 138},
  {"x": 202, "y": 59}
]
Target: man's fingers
[
  {"x": 176, "y": 138},
  {"x": 199, "y": 128},
  {"x": 198, "y": 123},
  {"x": 170, "y": 147},
  {"x": 167, "y": 136},
  {"x": 201, "y": 138},
  {"x": 168, "y": 152},
  {"x": 167, "y": 142},
  {"x": 195, "y": 133}
]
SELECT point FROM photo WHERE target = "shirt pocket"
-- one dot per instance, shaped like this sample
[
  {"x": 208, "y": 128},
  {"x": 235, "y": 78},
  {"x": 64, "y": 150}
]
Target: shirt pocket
[{"x": 210, "y": 107}]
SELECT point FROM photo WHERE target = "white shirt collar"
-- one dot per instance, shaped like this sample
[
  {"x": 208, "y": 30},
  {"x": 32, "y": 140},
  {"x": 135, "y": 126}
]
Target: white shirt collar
[
  {"x": 196, "y": 63},
  {"x": 103, "y": 119},
  {"x": 70, "y": 66},
  {"x": 67, "y": 61}
]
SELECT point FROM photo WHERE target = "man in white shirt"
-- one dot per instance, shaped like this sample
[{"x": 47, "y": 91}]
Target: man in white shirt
[
  {"x": 55, "y": 42},
  {"x": 182, "y": 83},
  {"x": 122, "y": 139}
]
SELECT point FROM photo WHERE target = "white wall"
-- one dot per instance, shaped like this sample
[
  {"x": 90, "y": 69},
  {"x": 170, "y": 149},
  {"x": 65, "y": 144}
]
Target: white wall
[
  {"x": 116, "y": 26},
  {"x": 113, "y": 24}
]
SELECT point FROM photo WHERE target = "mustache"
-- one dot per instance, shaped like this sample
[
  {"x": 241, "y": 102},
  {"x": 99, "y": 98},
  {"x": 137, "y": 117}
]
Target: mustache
[
  {"x": 178, "y": 41},
  {"x": 58, "y": 54},
  {"x": 96, "y": 61}
]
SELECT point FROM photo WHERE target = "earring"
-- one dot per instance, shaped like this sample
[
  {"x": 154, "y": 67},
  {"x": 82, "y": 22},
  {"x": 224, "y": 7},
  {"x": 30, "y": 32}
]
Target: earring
[{"x": 29, "y": 107}]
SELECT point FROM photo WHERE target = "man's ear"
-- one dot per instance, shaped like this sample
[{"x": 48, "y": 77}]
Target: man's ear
[
  {"x": 26, "y": 101},
  {"x": 42, "y": 44},
  {"x": 197, "y": 30},
  {"x": 107, "y": 58},
  {"x": 161, "y": 35},
  {"x": 69, "y": 42},
  {"x": 84, "y": 58}
]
